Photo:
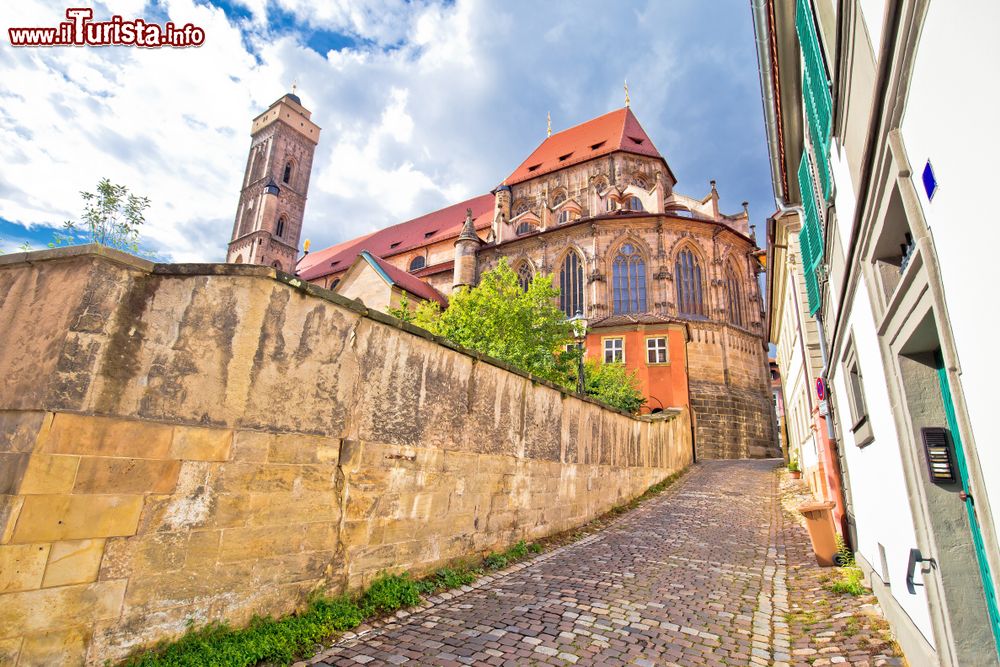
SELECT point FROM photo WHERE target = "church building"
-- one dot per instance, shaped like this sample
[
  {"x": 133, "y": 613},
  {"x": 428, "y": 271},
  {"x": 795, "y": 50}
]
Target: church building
[{"x": 666, "y": 282}]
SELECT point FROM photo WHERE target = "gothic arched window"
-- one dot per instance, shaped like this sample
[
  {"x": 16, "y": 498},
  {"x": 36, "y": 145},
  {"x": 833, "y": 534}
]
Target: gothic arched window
[
  {"x": 687, "y": 277},
  {"x": 524, "y": 228},
  {"x": 417, "y": 263},
  {"x": 286, "y": 176},
  {"x": 524, "y": 276},
  {"x": 629, "y": 281},
  {"x": 280, "y": 231},
  {"x": 610, "y": 204},
  {"x": 734, "y": 298},
  {"x": 256, "y": 167},
  {"x": 558, "y": 199},
  {"x": 571, "y": 284},
  {"x": 633, "y": 204}
]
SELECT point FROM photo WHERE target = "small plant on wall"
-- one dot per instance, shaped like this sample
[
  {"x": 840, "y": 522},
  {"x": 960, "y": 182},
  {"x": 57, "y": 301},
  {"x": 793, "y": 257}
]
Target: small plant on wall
[{"x": 793, "y": 467}]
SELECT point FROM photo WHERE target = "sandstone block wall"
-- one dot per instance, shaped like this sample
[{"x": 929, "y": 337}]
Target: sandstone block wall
[
  {"x": 190, "y": 443},
  {"x": 730, "y": 395}
]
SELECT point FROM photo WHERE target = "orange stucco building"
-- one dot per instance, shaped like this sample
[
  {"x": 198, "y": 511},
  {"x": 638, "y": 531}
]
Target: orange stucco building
[{"x": 668, "y": 283}]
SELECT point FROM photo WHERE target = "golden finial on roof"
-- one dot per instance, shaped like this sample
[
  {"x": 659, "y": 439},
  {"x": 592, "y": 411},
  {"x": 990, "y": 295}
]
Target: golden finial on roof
[
  {"x": 548, "y": 118},
  {"x": 294, "y": 86},
  {"x": 306, "y": 245},
  {"x": 627, "y": 100}
]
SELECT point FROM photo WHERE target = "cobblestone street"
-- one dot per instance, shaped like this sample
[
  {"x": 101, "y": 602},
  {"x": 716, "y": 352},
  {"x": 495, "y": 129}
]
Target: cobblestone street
[{"x": 697, "y": 576}]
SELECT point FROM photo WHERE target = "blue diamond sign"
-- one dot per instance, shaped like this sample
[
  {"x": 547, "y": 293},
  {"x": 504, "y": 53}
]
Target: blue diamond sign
[{"x": 930, "y": 181}]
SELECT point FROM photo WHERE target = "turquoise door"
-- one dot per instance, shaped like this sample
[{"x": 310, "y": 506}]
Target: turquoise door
[{"x": 970, "y": 506}]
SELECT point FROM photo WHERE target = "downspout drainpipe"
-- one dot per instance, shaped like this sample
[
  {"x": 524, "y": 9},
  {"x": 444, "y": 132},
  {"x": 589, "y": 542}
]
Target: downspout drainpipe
[
  {"x": 823, "y": 374},
  {"x": 687, "y": 375}
]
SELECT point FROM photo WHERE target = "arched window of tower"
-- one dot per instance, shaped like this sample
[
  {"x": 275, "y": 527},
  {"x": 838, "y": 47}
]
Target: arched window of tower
[
  {"x": 247, "y": 225},
  {"x": 280, "y": 230},
  {"x": 286, "y": 176},
  {"x": 277, "y": 265}
]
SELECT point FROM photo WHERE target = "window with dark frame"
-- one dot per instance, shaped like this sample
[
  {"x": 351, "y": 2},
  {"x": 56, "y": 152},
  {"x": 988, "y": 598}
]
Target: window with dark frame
[
  {"x": 687, "y": 277},
  {"x": 287, "y": 175},
  {"x": 280, "y": 231},
  {"x": 735, "y": 305},
  {"x": 571, "y": 284},
  {"x": 629, "y": 281},
  {"x": 418, "y": 263},
  {"x": 524, "y": 276}
]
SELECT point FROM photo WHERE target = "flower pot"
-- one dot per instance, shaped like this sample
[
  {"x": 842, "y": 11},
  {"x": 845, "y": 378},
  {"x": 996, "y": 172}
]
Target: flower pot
[{"x": 796, "y": 474}]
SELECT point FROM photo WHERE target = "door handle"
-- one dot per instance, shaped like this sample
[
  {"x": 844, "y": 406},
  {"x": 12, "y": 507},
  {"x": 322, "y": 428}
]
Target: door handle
[{"x": 911, "y": 569}]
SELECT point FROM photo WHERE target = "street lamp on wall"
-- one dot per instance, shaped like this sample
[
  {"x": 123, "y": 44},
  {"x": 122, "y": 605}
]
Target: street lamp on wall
[{"x": 579, "y": 324}]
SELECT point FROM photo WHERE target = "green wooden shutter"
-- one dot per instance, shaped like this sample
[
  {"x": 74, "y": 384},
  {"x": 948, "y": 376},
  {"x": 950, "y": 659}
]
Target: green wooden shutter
[
  {"x": 817, "y": 102},
  {"x": 811, "y": 234}
]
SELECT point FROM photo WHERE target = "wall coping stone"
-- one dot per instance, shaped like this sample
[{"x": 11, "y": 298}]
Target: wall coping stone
[{"x": 103, "y": 253}]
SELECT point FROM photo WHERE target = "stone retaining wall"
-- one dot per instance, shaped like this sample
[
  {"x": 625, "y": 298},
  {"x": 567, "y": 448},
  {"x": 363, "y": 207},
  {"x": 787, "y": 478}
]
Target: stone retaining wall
[{"x": 188, "y": 443}]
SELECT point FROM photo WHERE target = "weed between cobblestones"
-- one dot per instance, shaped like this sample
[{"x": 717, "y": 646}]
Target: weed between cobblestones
[
  {"x": 279, "y": 641},
  {"x": 850, "y": 578}
]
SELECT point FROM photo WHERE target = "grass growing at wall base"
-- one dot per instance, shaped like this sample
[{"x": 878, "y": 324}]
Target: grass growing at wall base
[
  {"x": 850, "y": 578},
  {"x": 282, "y": 640}
]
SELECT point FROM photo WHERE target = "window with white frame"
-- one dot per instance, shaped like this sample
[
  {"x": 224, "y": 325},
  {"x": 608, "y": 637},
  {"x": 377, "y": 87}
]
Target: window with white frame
[
  {"x": 861, "y": 425},
  {"x": 656, "y": 351},
  {"x": 614, "y": 350}
]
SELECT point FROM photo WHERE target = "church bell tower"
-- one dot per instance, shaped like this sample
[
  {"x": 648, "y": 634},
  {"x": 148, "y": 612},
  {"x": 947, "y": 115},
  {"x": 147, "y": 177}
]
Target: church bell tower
[{"x": 273, "y": 199}]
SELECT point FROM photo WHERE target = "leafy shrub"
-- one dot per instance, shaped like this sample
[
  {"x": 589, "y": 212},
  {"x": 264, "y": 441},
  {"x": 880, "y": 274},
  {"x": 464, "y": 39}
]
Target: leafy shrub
[
  {"x": 389, "y": 593},
  {"x": 850, "y": 582},
  {"x": 446, "y": 578},
  {"x": 614, "y": 385}
]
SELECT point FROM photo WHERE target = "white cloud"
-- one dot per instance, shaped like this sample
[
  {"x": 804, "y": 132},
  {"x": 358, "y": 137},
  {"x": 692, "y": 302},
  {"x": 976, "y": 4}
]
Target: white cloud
[{"x": 445, "y": 111}]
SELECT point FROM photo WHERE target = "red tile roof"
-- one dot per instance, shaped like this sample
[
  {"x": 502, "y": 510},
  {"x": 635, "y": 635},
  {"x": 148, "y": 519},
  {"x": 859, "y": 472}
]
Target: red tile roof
[
  {"x": 615, "y": 131},
  {"x": 434, "y": 269},
  {"x": 405, "y": 281},
  {"x": 440, "y": 225}
]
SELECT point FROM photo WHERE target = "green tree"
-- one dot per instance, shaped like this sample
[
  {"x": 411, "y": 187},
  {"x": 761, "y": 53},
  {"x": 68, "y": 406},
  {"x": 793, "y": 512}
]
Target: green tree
[
  {"x": 111, "y": 217},
  {"x": 499, "y": 319},
  {"x": 525, "y": 329},
  {"x": 613, "y": 384}
]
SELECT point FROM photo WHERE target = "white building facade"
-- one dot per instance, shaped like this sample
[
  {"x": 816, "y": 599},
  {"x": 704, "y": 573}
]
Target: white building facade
[{"x": 879, "y": 126}]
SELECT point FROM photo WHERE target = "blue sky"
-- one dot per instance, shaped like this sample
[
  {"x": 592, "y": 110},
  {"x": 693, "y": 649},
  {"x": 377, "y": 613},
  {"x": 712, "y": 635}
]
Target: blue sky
[{"x": 421, "y": 103}]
